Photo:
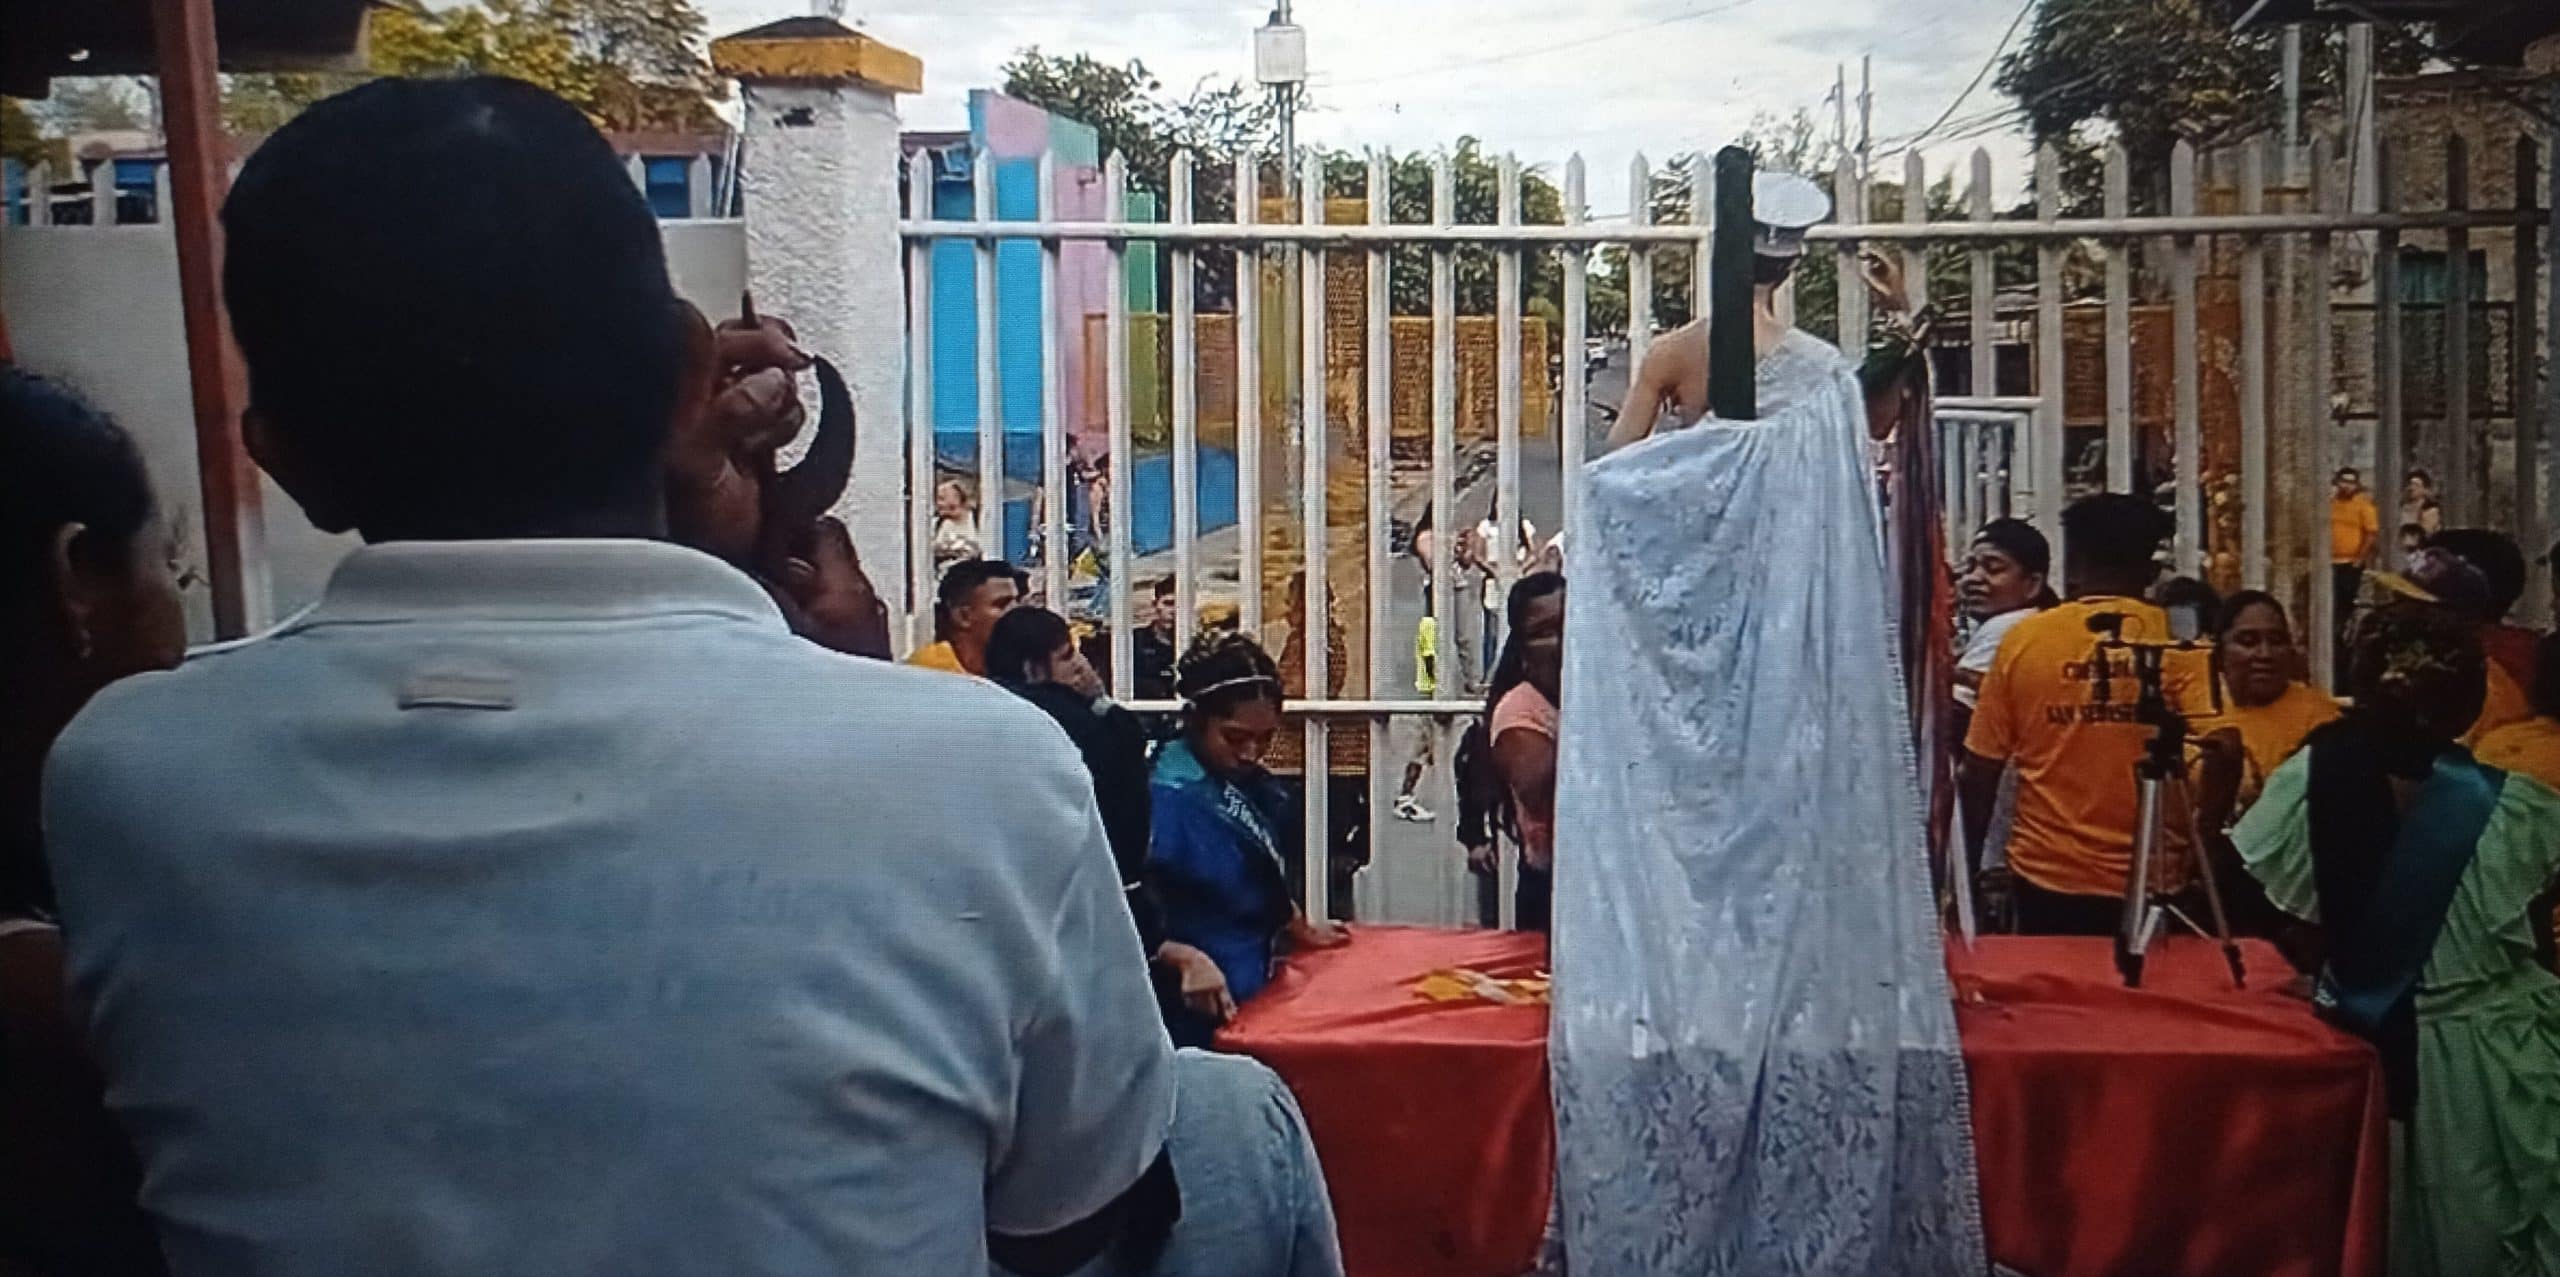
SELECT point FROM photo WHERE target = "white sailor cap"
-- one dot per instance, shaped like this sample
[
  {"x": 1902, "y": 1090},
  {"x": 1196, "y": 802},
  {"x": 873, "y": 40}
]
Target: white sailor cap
[{"x": 1783, "y": 206}]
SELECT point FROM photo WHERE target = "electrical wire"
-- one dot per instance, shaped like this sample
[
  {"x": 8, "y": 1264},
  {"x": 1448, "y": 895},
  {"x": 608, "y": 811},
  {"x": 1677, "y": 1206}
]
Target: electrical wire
[
  {"x": 1537, "y": 51},
  {"x": 1978, "y": 76}
]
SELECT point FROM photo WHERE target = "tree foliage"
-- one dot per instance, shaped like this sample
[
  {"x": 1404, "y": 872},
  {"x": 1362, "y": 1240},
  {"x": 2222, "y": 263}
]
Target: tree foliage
[
  {"x": 631, "y": 65},
  {"x": 2153, "y": 71},
  {"x": 23, "y": 139},
  {"x": 97, "y": 104}
]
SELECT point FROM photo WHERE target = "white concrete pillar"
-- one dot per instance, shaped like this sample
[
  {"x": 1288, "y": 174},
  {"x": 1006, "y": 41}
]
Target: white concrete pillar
[
  {"x": 698, "y": 187},
  {"x": 102, "y": 193},
  {"x": 821, "y": 195}
]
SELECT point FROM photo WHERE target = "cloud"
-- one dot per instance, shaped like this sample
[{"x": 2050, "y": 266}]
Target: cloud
[{"x": 1606, "y": 78}]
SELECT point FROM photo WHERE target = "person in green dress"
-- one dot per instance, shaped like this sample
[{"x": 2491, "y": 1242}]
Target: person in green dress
[{"x": 2419, "y": 867}]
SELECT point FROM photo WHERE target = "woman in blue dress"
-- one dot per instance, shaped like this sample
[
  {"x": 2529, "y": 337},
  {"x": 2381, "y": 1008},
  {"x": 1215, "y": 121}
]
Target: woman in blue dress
[{"x": 1223, "y": 851}]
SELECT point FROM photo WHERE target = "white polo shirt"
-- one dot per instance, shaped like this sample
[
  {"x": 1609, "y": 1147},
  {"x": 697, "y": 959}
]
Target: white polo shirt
[{"x": 547, "y": 907}]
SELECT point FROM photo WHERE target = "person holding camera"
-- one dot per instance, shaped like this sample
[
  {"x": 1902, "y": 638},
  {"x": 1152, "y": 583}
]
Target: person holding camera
[{"x": 2062, "y": 709}]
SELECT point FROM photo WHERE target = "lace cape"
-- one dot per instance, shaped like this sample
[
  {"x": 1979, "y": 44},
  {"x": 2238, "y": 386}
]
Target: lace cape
[{"x": 1755, "y": 1055}]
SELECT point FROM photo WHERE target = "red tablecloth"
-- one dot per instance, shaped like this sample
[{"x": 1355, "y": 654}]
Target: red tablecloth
[
  {"x": 2186, "y": 1128},
  {"x": 1432, "y": 1118}
]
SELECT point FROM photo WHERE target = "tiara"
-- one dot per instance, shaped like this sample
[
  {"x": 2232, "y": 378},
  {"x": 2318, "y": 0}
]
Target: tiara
[{"x": 1246, "y": 680}]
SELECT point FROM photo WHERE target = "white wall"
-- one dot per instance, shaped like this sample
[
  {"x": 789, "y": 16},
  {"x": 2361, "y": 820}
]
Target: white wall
[{"x": 98, "y": 308}]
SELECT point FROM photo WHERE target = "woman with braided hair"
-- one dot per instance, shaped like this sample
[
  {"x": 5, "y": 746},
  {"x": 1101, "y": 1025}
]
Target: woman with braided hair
[
  {"x": 1224, "y": 850},
  {"x": 2418, "y": 868}
]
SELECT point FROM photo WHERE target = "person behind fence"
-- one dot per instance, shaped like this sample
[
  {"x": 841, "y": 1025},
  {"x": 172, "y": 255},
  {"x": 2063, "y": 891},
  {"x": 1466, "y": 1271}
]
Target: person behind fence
[
  {"x": 1227, "y": 848},
  {"x": 2421, "y": 867},
  {"x": 973, "y": 596},
  {"x": 955, "y": 526},
  {"x": 89, "y": 594},
  {"x": 1152, "y": 652},
  {"x": 1515, "y": 752},
  {"x": 2418, "y": 504},
  {"x": 539, "y": 866},
  {"x": 1033, "y": 654},
  {"x": 2355, "y": 540},
  {"x": 2040, "y": 709}
]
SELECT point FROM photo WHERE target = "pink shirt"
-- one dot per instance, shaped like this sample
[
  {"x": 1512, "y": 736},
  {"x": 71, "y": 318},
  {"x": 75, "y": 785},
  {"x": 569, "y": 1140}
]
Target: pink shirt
[{"x": 1524, "y": 709}]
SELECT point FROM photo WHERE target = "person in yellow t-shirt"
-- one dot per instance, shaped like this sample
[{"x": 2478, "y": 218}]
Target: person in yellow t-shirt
[
  {"x": 2041, "y": 709},
  {"x": 2267, "y": 709},
  {"x": 2531, "y": 748},
  {"x": 2355, "y": 539},
  {"x": 973, "y": 596}
]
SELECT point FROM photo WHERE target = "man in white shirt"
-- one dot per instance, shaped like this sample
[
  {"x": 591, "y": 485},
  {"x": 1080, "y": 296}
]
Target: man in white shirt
[
  {"x": 538, "y": 903},
  {"x": 2003, "y": 581}
]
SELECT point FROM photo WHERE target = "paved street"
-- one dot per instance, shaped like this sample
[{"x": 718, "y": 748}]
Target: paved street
[{"x": 1419, "y": 875}]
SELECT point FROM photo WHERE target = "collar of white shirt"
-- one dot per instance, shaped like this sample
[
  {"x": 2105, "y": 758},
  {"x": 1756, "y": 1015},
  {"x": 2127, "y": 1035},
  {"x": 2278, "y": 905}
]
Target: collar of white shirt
[{"x": 534, "y": 580}]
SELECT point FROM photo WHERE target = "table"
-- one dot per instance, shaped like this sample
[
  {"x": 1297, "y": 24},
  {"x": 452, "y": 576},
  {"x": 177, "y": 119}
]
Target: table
[{"x": 2184, "y": 1128}]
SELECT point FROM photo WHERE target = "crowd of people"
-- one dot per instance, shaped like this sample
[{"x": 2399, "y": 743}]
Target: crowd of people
[
  {"x": 2399, "y": 843},
  {"x": 571, "y": 889}
]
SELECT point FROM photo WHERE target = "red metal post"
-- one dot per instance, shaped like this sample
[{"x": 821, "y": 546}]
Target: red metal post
[{"x": 199, "y": 172}]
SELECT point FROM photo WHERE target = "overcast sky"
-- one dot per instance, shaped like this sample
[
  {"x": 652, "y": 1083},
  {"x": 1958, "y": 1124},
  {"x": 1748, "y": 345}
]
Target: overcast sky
[{"x": 1540, "y": 78}]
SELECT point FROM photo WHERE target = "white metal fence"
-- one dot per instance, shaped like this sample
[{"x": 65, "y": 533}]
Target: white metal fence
[{"x": 2003, "y": 453}]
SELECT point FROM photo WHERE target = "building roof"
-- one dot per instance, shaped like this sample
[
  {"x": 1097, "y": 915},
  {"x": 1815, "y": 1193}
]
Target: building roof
[{"x": 40, "y": 39}]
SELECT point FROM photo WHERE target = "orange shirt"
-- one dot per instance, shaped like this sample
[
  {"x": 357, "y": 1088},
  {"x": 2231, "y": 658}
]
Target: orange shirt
[
  {"x": 2506, "y": 704},
  {"x": 2269, "y": 734},
  {"x": 2354, "y": 525},
  {"x": 2514, "y": 647},
  {"x": 2530, "y": 748},
  {"x": 2075, "y": 757},
  {"x": 938, "y": 656}
]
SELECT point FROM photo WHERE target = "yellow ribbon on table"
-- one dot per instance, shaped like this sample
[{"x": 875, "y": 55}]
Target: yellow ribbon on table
[{"x": 1465, "y": 984}]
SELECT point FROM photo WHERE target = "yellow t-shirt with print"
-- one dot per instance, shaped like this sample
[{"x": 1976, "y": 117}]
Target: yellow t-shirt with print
[
  {"x": 2269, "y": 734},
  {"x": 2075, "y": 756}
]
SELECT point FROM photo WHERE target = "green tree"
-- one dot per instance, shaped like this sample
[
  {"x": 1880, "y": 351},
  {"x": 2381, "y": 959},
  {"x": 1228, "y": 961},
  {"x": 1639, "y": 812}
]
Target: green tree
[
  {"x": 2149, "y": 72},
  {"x": 631, "y": 65},
  {"x": 24, "y": 140},
  {"x": 1789, "y": 143},
  {"x": 97, "y": 104},
  {"x": 1134, "y": 116}
]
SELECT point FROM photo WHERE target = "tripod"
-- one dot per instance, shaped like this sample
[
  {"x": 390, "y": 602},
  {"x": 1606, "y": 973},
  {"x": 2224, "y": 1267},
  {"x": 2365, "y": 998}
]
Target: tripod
[{"x": 2160, "y": 786}]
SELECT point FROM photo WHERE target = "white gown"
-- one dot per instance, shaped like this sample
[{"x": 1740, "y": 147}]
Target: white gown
[{"x": 1755, "y": 1055}]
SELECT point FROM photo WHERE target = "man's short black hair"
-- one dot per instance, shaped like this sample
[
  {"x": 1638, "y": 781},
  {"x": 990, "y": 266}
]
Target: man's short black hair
[
  {"x": 2349, "y": 472},
  {"x": 2115, "y": 532},
  {"x": 1164, "y": 587},
  {"x": 961, "y": 580},
  {"x": 454, "y": 307},
  {"x": 2497, "y": 556},
  {"x": 2020, "y": 540}
]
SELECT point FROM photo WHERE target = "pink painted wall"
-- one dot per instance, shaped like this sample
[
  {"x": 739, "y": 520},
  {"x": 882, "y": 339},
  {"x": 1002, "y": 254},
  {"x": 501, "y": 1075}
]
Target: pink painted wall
[{"x": 1011, "y": 129}]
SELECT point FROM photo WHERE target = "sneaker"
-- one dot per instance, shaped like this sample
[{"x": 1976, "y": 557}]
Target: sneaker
[{"x": 1408, "y": 809}]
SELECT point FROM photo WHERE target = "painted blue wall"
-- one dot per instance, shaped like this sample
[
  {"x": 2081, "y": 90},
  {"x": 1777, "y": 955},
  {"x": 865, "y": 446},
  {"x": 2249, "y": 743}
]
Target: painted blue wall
[{"x": 1019, "y": 375}]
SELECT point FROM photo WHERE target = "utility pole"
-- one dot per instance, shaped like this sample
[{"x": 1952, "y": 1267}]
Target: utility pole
[
  {"x": 1866, "y": 115},
  {"x": 2292, "y": 87},
  {"x": 1280, "y": 63},
  {"x": 1840, "y": 107}
]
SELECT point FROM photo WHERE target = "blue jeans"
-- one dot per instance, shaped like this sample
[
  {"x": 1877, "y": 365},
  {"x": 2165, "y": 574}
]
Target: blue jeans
[{"x": 1254, "y": 1202}]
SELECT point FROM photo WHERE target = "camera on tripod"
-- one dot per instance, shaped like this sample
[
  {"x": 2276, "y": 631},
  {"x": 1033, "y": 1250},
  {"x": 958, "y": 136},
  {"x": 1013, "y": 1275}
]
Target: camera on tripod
[{"x": 2161, "y": 772}]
